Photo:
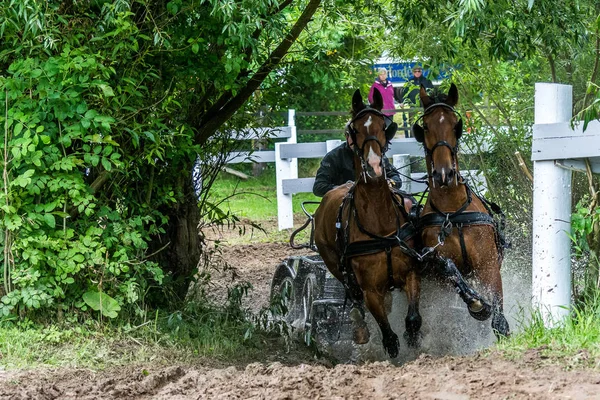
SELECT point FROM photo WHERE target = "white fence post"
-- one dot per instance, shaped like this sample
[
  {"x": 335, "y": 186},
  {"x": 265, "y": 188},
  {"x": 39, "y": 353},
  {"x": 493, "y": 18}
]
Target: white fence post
[
  {"x": 286, "y": 169},
  {"x": 551, "y": 269},
  {"x": 332, "y": 144},
  {"x": 402, "y": 164}
]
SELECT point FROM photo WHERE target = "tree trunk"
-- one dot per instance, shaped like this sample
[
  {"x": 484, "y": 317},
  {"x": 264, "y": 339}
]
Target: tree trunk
[{"x": 177, "y": 251}]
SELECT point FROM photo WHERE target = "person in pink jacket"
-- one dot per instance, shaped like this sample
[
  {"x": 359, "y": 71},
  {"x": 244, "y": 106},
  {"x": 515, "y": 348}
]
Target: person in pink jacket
[{"x": 386, "y": 89}]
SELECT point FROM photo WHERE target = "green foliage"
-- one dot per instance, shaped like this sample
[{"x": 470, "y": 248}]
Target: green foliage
[
  {"x": 102, "y": 302},
  {"x": 567, "y": 339},
  {"x": 201, "y": 328},
  {"x": 582, "y": 225},
  {"x": 72, "y": 117},
  {"x": 106, "y": 107},
  {"x": 585, "y": 227}
]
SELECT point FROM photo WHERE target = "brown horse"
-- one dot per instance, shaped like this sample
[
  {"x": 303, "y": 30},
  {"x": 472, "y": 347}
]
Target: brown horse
[
  {"x": 453, "y": 215},
  {"x": 363, "y": 234}
]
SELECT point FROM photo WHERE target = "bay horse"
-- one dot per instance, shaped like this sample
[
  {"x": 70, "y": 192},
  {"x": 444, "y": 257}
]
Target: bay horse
[
  {"x": 455, "y": 222},
  {"x": 363, "y": 234}
]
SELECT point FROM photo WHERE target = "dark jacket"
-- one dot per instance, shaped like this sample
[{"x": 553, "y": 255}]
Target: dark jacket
[
  {"x": 337, "y": 167},
  {"x": 413, "y": 93}
]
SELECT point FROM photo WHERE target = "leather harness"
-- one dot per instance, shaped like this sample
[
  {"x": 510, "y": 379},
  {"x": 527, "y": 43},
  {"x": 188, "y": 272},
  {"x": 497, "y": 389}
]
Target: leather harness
[
  {"x": 460, "y": 218},
  {"x": 377, "y": 243}
]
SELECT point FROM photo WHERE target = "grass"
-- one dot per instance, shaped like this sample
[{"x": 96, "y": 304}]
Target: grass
[
  {"x": 254, "y": 198},
  {"x": 575, "y": 341},
  {"x": 199, "y": 332}
]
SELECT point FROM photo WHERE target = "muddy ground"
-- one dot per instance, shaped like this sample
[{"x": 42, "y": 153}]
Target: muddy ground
[{"x": 449, "y": 364}]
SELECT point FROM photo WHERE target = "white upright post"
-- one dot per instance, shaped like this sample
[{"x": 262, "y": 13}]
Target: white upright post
[
  {"x": 332, "y": 144},
  {"x": 285, "y": 169},
  {"x": 551, "y": 274},
  {"x": 402, "y": 164}
]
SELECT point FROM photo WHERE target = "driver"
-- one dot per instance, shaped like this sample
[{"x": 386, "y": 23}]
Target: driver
[{"x": 337, "y": 167}]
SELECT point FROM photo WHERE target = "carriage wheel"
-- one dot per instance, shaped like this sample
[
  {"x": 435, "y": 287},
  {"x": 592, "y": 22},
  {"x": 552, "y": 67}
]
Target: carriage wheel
[
  {"x": 282, "y": 294},
  {"x": 306, "y": 306}
]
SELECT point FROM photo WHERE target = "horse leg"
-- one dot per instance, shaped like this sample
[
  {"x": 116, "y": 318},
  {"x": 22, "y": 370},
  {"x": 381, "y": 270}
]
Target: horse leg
[
  {"x": 499, "y": 322},
  {"x": 361, "y": 330},
  {"x": 357, "y": 314},
  {"x": 376, "y": 304},
  {"x": 492, "y": 279},
  {"x": 413, "y": 319},
  {"x": 477, "y": 306}
]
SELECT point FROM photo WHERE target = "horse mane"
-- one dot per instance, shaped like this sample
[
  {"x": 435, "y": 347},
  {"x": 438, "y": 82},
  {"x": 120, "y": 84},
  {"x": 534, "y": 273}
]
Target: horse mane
[{"x": 438, "y": 96}]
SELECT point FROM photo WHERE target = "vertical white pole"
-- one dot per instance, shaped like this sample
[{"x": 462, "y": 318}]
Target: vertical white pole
[
  {"x": 551, "y": 274},
  {"x": 402, "y": 164},
  {"x": 332, "y": 144},
  {"x": 286, "y": 169}
]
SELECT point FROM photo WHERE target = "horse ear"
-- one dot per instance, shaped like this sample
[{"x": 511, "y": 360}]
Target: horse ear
[
  {"x": 425, "y": 99},
  {"x": 458, "y": 129},
  {"x": 452, "y": 98},
  {"x": 357, "y": 102},
  {"x": 418, "y": 133},
  {"x": 377, "y": 100}
]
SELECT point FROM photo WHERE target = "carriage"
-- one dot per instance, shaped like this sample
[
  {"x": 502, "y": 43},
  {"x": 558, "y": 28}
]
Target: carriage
[{"x": 313, "y": 298}]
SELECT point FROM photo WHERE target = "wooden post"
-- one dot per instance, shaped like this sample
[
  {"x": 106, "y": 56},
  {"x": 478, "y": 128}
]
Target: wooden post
[
  {"x": 402, "y": 164},
  {"x": 551, "y": 269},
  {"x": 285, "y": 169}
]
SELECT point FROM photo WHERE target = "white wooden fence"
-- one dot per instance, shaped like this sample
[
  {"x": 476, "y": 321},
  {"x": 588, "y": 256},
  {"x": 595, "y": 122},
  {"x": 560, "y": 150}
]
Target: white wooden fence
[
  {"x": 557, "y": 149},
  {"x": 286, "y": 155}
]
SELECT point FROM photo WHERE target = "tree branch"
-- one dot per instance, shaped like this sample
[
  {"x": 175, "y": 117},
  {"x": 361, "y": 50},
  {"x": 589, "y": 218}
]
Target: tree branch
[
  {"x": 214, "y": 118},
  {"x": 595, "y": 70}
]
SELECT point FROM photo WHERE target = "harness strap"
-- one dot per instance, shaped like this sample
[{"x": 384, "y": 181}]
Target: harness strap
[
  {"x": 461, "y": 209},
  {"x": 372, "y": 246},
  {"x": 465, "y": 218},
  {"x": 460, "y": 218},
  {"x": 377, "y": 243}
]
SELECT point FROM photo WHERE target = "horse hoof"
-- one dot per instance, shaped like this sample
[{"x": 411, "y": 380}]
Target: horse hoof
[
  {"x": 500, "y": 326},
  {"x": 480, "y": 310},
  {"x": 361, "y": 334},
  {"x": 413, "y": 340},
  {"x": 357, "y": 315},
  {"x": 391, "y": 345}
]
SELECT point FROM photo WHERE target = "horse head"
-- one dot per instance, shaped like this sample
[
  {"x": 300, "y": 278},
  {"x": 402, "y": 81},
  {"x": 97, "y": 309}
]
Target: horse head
[
  {"x": 442, "y": 127},
  {"x": 370, "y": 131}
]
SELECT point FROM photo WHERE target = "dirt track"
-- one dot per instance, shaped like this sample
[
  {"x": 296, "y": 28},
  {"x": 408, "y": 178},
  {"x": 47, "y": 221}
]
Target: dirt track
[
  {"x": 452, "y": 378},
  {"x": 423, "y": 375}
]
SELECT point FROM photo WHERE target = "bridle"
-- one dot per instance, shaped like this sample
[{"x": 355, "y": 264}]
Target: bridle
[
  {"x": 442, "y": 143},
  {"x": 390, "y": 129}
]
